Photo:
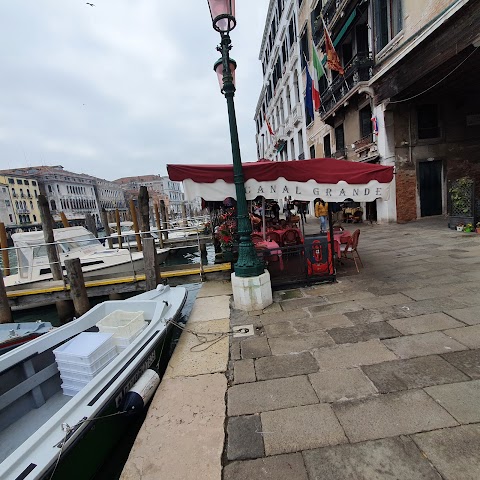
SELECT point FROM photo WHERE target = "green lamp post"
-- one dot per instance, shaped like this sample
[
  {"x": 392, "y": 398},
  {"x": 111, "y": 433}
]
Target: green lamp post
[{"x": 223, "y": 19}]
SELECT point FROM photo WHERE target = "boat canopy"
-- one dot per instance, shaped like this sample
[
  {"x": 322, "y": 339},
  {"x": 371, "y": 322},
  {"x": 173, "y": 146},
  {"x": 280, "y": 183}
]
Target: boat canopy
[{"x": 31, "y": 245}]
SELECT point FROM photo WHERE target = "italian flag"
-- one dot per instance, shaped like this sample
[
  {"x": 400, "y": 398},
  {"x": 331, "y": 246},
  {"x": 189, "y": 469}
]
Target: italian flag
[{"x": 317, "y": 73}]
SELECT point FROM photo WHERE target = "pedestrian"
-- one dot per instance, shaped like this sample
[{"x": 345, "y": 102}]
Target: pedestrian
[
  {"x": 286, "y": 210},
  {"x": 321, "y": 212},
  {"x": 302, "y": 211},
  {"x": 276, "y": 211}
]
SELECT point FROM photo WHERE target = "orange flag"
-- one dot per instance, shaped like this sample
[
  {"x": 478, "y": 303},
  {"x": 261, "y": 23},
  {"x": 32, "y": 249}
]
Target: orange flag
[{"x": 333, "y": 61}]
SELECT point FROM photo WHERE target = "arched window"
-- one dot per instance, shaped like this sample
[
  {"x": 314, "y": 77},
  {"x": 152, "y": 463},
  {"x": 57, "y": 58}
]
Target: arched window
[
  {"x": 296, "y": 89},
  {"x": 53, "y": 205},
  {"x": 289, "y": 103}
]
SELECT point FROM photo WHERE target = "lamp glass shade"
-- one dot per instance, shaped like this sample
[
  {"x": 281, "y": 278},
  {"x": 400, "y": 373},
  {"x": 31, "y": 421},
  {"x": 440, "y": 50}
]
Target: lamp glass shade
[
  {"x": 218, "y": 67},
  {"x": 223, "y": 14}
]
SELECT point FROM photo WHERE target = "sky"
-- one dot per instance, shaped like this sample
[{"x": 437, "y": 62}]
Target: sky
[{"x": 124, "y": 87}]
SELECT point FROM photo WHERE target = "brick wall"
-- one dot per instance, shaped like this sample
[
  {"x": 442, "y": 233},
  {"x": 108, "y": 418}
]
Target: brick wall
[{"x": 406, "y": 183}]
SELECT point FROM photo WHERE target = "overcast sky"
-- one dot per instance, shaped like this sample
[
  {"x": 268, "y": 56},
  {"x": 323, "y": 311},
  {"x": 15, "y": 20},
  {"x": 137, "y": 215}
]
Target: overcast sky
[{"x": 124, "y": 87}]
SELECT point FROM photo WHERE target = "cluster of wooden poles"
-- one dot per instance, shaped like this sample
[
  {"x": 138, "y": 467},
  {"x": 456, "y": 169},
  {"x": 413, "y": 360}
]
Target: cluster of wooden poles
[{"x": 79, "y": 303}]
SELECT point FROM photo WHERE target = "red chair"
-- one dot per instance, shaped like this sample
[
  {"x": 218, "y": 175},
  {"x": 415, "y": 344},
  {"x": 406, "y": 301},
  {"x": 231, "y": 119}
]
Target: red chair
[
  {"x": 275, "y": 236},
  {"x": 351, "y": 248},
  {"x": 291, "y": 237},
  {"x": 256, "y": 238}
]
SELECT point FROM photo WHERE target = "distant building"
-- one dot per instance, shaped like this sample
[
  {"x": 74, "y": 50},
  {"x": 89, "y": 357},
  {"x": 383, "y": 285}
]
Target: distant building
[
  {"x": 23, "y": 193},
  {"x": 7, "y": 213}
]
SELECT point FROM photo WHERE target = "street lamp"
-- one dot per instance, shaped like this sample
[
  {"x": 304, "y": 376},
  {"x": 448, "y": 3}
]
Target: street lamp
[{"x": 223, "y": 19}]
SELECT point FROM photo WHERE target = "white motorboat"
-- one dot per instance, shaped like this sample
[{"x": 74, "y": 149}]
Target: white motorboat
[
  {"x": 72, "y": 242},
  {"x": 14, "y": 334},
  {"x": 45, "y": 432}
]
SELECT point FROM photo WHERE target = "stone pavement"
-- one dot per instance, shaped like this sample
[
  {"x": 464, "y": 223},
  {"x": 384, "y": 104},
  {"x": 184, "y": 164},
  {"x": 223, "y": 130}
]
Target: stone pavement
[{"x": 374, "y": 377}]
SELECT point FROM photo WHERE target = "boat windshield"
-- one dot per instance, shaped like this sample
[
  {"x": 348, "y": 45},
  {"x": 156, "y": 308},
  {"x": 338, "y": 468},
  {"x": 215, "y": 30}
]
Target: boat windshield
[{"x": 81, "y": 241}]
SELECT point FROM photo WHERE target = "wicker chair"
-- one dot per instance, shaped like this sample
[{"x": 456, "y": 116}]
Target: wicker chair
[{"x": 291, "y": 237}]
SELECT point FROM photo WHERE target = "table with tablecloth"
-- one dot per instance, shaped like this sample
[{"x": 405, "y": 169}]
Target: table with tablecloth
[
  {"x": 273, "y": 248},
  {"x": 338, "y": 239}
]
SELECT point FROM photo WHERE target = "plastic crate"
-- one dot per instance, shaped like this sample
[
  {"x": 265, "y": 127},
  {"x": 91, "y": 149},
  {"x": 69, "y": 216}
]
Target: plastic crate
[
  {"x": 67, "y": 375},
  {"x": 122, "y": 324},
  {"x": 73, "y": 385},
  {"x": 86, "y": 348},
  {"x": 92, "y": 368}
]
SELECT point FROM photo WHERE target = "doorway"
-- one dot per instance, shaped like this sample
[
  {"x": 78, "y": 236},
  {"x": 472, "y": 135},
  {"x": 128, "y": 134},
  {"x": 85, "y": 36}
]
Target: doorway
[{"x": 430, "y": 175}]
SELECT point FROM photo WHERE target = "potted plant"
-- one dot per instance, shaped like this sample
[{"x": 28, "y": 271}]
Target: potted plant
[
  {"x": 477, "y": 227},
  {"x": 225, "y": 235},
  {"x": 460, "y": 227},
  {"x": 468, "y": 228},
  {"x": 461, "y": 202}
]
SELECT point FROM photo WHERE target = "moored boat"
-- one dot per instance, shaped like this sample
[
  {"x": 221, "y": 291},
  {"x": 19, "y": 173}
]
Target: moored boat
[
  {"x": 44, "y": 432},
  {"x": 14, "y": 334}
]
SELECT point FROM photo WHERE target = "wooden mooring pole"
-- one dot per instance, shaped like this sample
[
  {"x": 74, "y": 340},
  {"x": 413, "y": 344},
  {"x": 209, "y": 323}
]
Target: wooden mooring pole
[
  {"x": 163, "y": 215},
  {"x": 5, "y": 310},
  {"x": 90, "y": 224},
  {"x": 64, "y": 219},
  {"x": 78, "y": 292},
  {"x": 106, "y": 227},
  {"x": 119, "y": 228},
  {"x": 4, "y": 244},
  {"x": 144, "y": 209},
  {"x": 159, "y": 225},
  {"x": 152, "y": 271},
  {"x": 133, "y": 212},
  {"x": 64, "y": 307},
  {"x": 184, "y": 214}
]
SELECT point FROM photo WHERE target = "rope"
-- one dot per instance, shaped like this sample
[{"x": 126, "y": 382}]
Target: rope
[
  {"x": 68, "y": 429},
  {"x": 203, "y": 337},
  {"x": 440, "y": 81}
]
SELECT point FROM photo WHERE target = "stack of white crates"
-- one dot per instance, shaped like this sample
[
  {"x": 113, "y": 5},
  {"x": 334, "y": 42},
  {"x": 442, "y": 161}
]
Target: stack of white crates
[
  {"x": 124, "y": 326},
  {"x": 82, "y": 358}
]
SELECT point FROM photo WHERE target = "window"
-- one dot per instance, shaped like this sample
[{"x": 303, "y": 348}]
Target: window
[
  {"x": 19, "y": 182},
  {"x": 11, "y": 180},
  {"x": 327, "y": 146},
  {"x": 34, "y": 218},
  {"x": 301, "y": 155},
  {"x": 7, "y": 203},
  {"x": 312, "y": 151},
  {"x": 365, "y": 121},
  {"x": 428, "y": 121},
  {"x": 339, "y": 138},
  {"x": 388, "y": 21},
  {"x": 34, "y": 183},
  {"x": 10, "y": 216},
  {"x": 49, "y": 189},
  {"x": 26, "y": 182},
  {"x": 304, "y": 52}
]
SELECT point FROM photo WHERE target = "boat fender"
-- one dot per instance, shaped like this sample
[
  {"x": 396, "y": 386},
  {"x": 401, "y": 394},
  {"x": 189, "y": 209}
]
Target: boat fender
[{"x": 142, "y": 392}]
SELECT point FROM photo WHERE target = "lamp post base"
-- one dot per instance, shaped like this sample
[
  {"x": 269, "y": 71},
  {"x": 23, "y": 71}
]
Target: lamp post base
[{"x": 252, "y": 293}]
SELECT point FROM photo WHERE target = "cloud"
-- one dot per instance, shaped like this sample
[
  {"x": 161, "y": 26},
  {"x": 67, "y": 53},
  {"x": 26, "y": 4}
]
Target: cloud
[{"x": 122, "y": 88}]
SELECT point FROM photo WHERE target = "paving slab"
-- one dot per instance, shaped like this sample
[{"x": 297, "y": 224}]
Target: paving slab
[
  {"x": 255, "y": 347},
  {"x": 279, "y": 329},
  {"x": 289, "y": 294},
  {"x": 461, "y": 400},
  {"x": 349, "y": 296},
  {"x": 299, "y": 343},
  {"x": 309, "y": 325},
  {"x": 258, "y": 397},
  {"x": 211, "y": 308},
  {"x": 469, "y": 315},
  {"x": 384, "y": 301},
  {"x": 301, "y": 303},
  {"x": 344, "y": 307},
  {"x": 468, "y": 362},
  {"x": 423, "y": 344},
  {"x": 244, "y": 371},
  {"x": 422, "y": 307},
  {"x": 433, "y": 292},
  {"x": 425, "y": 323},
  {"x": 274, "y": 317},
  {"x": 279, "y": 467},
  {"x": 453, "y": 451},
  {"x": 190, "y": 358},
  {"x": 273, "y": 308},
  {"x": 195, "y": 426},
  {"x": 215, "y": 289},
  {"x": 341, "y": 385},
  {"x": 412, "y": 373},
  {"x": 363, "y": 333},
  {"x": 353, "y": 355},
  {"x": 235, "y": 350},
  {"x": 391, "y": 415},
  {"x": 386, "y": 459},
  {"x": 373, "y": 315},
  {"x": 469, "y": 336},
  {"x": 244, "y": 437},
  {"x": 300, "y": 428},
  {"x": 280, "y": 366}
]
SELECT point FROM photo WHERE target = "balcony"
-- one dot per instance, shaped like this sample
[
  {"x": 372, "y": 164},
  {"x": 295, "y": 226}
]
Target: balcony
[
  {"x": 359, "y": 70},
  {"x": 280, "y": 131},
  {"x": 23, "y": 210},
  {"x": 297, "y": 115},
  {"x": 332, "y": 10},
  {"x": 341, "y": 153},
  {"x": 363, "y": 144}
]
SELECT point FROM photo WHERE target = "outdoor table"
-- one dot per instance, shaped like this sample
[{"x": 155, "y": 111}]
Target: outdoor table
[
  {"x": 338, "y": 239},
  {"x": 274, "y": 249}
]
